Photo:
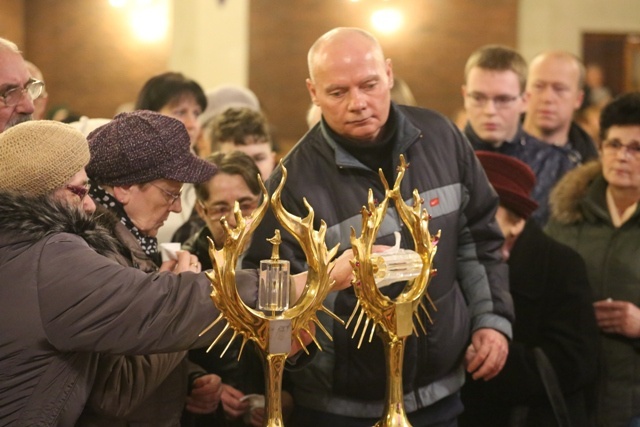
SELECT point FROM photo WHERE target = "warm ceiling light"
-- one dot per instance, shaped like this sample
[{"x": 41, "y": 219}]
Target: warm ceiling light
[
  {"x": 117, "y": 3},
  {"x": 386, "y": 20},
  {"x": 150, "y": 21}
]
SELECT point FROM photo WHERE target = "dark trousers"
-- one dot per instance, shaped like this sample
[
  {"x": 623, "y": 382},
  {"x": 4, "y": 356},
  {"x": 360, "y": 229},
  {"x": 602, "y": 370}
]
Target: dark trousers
[{"x": 443, "y": 413}]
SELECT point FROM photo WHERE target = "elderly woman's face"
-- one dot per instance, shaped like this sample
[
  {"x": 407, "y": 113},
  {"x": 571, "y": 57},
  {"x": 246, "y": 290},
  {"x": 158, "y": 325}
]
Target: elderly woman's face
[
  {"x": 621, "y": 157},
  {"x": 148, "y": 205}
]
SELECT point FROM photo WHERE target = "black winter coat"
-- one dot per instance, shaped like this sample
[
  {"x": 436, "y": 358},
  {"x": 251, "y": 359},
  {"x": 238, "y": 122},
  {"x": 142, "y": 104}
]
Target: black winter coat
[{"x": 553, "y": 305}]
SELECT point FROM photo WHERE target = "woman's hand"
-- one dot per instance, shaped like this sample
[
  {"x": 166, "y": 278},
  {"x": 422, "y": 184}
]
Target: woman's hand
[
  {"x": 618, "y": 317},
  {"x": 185, "y": 262}
]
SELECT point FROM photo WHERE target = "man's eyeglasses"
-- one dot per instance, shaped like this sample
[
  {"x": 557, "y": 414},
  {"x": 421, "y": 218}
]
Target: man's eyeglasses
[
  {"x": 479, "y": 100},
  {"x": 79, "y": 190},
  {"x": 172, "y": 196},
  {"x": 218, "y": 211},
  {"x": 13, "y": 96},
  {"x": 613, "y": 146}
]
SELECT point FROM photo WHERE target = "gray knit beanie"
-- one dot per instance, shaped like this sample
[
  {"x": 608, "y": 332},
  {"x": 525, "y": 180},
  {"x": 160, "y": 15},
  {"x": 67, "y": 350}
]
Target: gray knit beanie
[
  {"x": 143, "y": 146},
  {"x": 40, "y": 156}
]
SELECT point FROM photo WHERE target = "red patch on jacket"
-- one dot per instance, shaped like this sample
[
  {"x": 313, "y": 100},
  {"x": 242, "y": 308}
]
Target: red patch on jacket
[{"x": 434, "y": 202}]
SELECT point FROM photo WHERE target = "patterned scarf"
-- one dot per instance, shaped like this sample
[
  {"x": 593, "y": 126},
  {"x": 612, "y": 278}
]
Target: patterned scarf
[{"x": 149, "y": 244}]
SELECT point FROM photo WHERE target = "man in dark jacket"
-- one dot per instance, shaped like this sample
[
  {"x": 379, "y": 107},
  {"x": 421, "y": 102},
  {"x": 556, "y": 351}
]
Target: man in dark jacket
[
  {"x": 555, "y": 91},
  {"x": 555, "y": 320},
  {"x": 494, "y": 99},
  {"x": 334, "y": 166}
]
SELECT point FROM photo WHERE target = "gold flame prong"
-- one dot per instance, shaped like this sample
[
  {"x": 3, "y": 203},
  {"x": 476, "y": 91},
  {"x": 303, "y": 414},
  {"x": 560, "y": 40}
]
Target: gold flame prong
[
  {"x": 355, "y": 329},
  {"x": 302, "y": 345},
  {"x": 331, "y": 314},
  {"x": 373, "y": 329},
  {"x": 313, "y": 337},
  {"x": 424, "y": 308},
  {"x": 244, "y": 342},
  {"x": 417, "y": 316},
  {"x": 233, "y": 337},
  {"x": 364, "y": 331},
  {"x": 431, "y": 303},
  {"x": 211, "y": 325},
  {"x": 353, "y": 313},
  {"x": 322, "y": 328},
  {"x": 226, "y": 327}
]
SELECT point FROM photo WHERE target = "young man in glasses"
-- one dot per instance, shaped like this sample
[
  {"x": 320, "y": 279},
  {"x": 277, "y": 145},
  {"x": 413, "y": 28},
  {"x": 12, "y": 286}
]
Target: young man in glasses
[
  {"x": 494, "y": 99},
  {"x": 17, "y": 88}
]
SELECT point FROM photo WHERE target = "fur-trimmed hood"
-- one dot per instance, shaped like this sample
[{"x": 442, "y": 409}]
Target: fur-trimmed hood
[
  {"x": 571, "y": 189},
  {"x": 30, "y": 219}
]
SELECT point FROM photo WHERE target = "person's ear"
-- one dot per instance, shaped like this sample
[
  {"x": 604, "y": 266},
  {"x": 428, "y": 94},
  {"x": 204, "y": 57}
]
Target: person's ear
[
  {"x": 516, "y": 227},
  {"x": 389, "y": 71},
  {"x": 200, "y": 210},
  {"x": 579, "y": 100},
  {"x": 122, "y": 194},
  {"x": 525, "y": 102},
  {"x": 311, "y": 87}
]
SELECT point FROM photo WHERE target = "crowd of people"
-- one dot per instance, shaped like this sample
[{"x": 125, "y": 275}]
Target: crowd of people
[{"x": 536, "y": 317}]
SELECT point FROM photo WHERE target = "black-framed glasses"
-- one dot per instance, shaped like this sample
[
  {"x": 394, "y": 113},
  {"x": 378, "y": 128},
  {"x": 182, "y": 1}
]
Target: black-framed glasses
[
  {"x": 613, "y": 146},
  {"x": 479, "y": 100},
  {"x": 13, "y": 96},
  {"x": 79, "y": 190},
  {"x": 172, "y": 196},
  {"x": 218, "y": 211}
]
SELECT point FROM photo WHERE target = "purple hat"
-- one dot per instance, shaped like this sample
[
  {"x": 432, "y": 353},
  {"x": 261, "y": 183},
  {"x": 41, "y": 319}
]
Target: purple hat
[
  {"x": 143, "y": 146},
  {"x": 512, "y": 179}
]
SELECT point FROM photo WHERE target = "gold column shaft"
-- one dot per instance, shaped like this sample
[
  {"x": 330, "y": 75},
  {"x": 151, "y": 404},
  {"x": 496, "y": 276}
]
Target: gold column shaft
[
  {"x": 394, "y": 414},
  {"x": 273, "y": 372}
]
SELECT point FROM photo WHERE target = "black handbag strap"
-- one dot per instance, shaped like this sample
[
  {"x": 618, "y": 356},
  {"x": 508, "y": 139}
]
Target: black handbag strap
[{"x": 552, "y": 386}]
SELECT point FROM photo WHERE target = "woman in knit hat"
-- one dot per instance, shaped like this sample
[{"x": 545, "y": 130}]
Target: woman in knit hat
[
  {"x": 554, "y": 318},
  {"x": 139, "y": 162},
  {"x": 66, "y": 303},
  {"x": 62, "y": 300}
]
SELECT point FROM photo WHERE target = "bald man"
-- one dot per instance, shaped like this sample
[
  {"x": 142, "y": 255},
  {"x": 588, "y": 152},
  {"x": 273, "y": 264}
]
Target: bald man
[
  {"x": 334, "y": 166},
  {"x": 17, "y": 88},
  {"x": 555, "y": 91}
]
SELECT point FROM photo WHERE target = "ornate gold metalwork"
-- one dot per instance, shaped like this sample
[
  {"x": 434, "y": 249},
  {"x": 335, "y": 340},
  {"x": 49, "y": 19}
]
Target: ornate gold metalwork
[
  {"x": 392, "y": 320},
  {"x": 255, "y": 325}
]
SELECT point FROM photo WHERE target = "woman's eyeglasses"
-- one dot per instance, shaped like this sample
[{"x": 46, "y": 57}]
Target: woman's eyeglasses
[
  {"x": 79, "y": 190},
  {"x": 218, "y": 211},
  {"x": 172, "y": 196}
]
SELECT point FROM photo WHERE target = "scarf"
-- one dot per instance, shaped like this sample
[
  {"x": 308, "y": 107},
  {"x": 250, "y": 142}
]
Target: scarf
[{"x": 148, "y": 244}]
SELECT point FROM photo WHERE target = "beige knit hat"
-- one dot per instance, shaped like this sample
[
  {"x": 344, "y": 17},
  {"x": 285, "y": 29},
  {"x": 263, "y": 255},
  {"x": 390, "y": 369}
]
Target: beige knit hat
[{"x": 40, "y": 156}]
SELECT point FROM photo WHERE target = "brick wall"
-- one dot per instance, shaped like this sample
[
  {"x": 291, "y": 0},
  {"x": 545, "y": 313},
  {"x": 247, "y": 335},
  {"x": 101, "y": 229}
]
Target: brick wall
[
  {"x": 89, "y": 58},
  {"x": 429, "y": 52},
  {"x": 93, "y": 64},
  {"x": 12, "y": 21}
]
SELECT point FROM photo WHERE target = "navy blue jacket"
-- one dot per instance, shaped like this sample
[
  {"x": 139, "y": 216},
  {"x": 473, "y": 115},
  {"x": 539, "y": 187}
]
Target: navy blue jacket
[
  {"x": 470, "y": 290},
  {"x": 548, "y": 162}
]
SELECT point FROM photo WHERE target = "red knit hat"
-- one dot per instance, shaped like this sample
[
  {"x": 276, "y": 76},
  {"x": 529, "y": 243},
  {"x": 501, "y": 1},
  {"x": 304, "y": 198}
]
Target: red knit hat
[{"x": 512, "y": 179}]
